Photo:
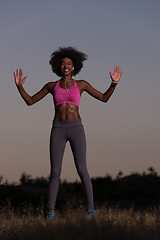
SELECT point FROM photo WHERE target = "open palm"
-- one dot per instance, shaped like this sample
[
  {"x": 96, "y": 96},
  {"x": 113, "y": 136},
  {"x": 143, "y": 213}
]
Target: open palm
[
  {"x": 116, "y": 74},
  {"x": 18, "y": 77}
]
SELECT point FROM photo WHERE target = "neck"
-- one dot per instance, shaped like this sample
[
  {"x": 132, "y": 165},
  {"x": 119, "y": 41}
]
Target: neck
[{"x": 67, "y": 79}]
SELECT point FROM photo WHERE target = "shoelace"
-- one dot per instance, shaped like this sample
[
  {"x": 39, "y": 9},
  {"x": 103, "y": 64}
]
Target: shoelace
[
  {"x": 91, "y": 213},
  {"x": 51, "y": 215}
]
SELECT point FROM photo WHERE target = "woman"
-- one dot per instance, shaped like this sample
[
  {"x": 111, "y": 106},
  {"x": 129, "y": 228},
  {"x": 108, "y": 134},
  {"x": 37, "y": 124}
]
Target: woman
[{"x": 67, "y": 124}]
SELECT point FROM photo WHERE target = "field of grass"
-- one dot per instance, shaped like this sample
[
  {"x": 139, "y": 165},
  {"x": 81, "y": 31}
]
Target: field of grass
[{"x": 72, "y": 224}]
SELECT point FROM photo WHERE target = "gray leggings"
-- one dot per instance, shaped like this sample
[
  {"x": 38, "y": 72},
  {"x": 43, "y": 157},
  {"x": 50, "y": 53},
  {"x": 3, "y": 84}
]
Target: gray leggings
[{"x": 60, "y": 134}]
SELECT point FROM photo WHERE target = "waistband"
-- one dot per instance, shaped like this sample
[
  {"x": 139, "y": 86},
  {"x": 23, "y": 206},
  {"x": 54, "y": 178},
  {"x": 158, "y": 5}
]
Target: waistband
[{"x": 72, "y": 124}]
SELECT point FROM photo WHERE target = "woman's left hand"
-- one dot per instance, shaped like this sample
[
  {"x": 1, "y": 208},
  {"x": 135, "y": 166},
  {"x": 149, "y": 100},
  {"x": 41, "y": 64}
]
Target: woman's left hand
[{"x": 116, "y": 74}]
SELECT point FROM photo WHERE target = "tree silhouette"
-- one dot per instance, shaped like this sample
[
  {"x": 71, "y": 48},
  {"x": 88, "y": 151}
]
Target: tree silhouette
[
  {"x": 152, "y": 171},
  {"x": 25, "y": 179},
  {"x": 1, "y": 179},
  {"x": 120, "y": 174}
]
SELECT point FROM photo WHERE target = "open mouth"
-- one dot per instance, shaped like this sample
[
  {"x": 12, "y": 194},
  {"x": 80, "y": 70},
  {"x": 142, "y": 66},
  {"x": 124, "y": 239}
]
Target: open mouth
[{"x": 66, "y": 71}]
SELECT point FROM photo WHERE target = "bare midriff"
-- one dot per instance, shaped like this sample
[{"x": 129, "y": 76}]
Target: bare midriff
[{"x": 62, "y": 113}]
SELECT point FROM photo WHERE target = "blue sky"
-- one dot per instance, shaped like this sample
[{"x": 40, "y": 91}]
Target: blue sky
[{"x": 122, "y": 134}]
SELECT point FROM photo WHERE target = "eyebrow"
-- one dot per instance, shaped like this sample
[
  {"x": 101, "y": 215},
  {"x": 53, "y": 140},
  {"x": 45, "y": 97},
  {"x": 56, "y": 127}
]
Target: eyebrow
[{"x": 67, "y": 61}]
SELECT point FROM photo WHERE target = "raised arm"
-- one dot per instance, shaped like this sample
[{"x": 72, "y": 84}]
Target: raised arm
[
  {"x": 104, "y": 97},
  {"x": 30, "y": 100}
]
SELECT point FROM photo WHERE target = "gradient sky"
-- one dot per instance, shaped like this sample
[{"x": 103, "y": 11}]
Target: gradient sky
[{"x": 121, "y": 135}]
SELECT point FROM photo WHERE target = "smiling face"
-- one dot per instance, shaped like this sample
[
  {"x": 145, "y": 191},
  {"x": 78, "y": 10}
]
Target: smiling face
[{"x": 66, "y": 66}]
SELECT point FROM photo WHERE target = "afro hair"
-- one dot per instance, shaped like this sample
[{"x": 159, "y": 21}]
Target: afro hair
[{"x": 76, "y": 56}]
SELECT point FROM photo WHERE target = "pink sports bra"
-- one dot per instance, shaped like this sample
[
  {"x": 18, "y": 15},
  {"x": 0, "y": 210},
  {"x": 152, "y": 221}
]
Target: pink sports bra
[{"x": 69, "y": 95}]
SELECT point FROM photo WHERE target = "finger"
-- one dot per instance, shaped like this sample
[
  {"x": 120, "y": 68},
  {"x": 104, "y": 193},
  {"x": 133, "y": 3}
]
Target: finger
[
  {"x": 20, "y": 72},
  {"x": 17, "y": 72},
  {"x": 118, "y": 69},
  {"x": 24, "y": 79},
  {"x": 115, "y": 69}
]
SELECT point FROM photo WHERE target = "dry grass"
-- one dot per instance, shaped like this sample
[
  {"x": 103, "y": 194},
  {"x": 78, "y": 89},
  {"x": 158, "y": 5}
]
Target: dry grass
[{"x": 109, "y": 223}]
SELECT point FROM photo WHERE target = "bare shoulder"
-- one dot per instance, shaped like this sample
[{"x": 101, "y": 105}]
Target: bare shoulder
[
  {"x": 50, "y": 86},
  {"x": 82, "y": 84}
]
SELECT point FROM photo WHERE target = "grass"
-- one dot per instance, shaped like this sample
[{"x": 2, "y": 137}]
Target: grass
[{"x": 72, "y": 224}]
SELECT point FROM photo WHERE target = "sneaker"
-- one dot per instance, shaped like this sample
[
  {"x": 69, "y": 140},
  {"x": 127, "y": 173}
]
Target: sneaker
[
  {"x": 51, "y": 215},
  {"x": 91, "y": 213}
]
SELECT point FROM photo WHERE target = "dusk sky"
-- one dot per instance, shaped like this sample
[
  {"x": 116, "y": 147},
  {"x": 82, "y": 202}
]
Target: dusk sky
[{"x": 123, "y": 134}]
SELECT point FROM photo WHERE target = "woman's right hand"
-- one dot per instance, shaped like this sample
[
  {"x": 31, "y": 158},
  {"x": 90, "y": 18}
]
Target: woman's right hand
[{"x": 18, "y": 77}]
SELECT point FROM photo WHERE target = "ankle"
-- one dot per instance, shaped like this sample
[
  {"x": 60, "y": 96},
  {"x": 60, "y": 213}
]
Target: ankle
[{"x": 52, "y": 211}]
